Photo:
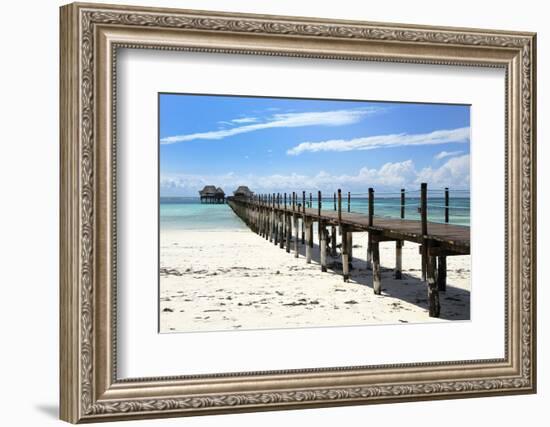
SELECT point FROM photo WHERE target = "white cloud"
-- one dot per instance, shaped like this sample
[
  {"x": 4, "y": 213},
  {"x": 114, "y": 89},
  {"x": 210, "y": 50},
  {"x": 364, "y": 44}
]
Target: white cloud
[
  {"x": 455, "y": 173},
  {"x": 283, "y": 120},
  {"x": 245, "y": 120},
  {"x": 445, "y": 154},
  {"x": 460, "y": 135}
]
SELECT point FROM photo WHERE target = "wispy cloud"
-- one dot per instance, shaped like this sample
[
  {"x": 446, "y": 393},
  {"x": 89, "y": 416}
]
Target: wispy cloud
[
  {"x": 455, "y": 173},
  {"x": 460, "y": 135},
  {"x": 283, "y": 120},
  {"x": 245, "y": 120},
  {"x": 445, "y": 154}
]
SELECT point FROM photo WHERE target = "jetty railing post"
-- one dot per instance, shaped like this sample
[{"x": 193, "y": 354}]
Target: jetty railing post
[
  {"x": 281, "y": 225},
  {"x": 340, "y": 208},
  {"x": 402, "y": 203},
  {"x": 296, "y": 231},
  {"x": 319, "y": 206},
  {"x": 424, "y": 226},
  {"x": 310, "y": 200},
  {"x": 370, "y": 240},
  {"x": 446, "y": 205},
  {"x": 303, "y": 217},
  {"x": 334, "y": 197},
  {"x": 349, "y": 201},
  {"x": 442, "y": 273},
  {"x": 371, "y": 206}
]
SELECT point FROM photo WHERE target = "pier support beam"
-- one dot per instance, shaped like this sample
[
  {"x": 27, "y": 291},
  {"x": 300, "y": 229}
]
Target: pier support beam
[
  {"x": 442, "y": 273},
  {"x": 369, "y": 252},
  {"x": 398, "y": 258},
  {"x": 376, "y": 276},
  {"x": 296, "y": 233},
  {"x": 309, "y": 240},
  {"x": 288, "y": 227},
  {"x": 350, "y": 249},
  {"x": 333, "y": 241},
  {"x": 345, "y": 253},
  {"x": 433, "y": 291},
  {"x": 323, "y": 234}
]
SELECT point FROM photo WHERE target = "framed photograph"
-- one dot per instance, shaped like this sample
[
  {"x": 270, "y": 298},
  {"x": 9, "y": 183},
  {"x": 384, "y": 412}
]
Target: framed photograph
[{"x": 266, "y": 212}]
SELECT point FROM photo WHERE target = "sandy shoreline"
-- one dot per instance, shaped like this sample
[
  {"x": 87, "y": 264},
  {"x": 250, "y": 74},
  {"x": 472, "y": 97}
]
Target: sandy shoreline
[{"x": 227, "y": 280}]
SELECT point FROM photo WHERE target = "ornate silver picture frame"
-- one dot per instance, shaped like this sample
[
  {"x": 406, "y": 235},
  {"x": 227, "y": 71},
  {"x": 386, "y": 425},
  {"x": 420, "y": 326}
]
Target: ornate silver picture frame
[{"x": 91, "y": 35}]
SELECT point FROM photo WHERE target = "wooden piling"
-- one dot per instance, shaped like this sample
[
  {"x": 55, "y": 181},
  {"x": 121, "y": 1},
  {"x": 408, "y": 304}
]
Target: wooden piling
[
  {"x": 333, "y": 241},
  {"x": 345, "y": 253},
  {"x": 319, "y": 207},
  {"x": 309, "y": 240},
  {"x": 288, "y": 230},
  {"x": 369, "y": 252},
  {"x": 334, "y": 197},
  {"x": 376, "y": 277},
  {"x": 398, "y": 258},
  {"x": 323, "y": 246},
  {"x": 433, "y": 292},
  {"x": 349, "y": 201},
  {"x": 424, "y": 227},
  {"x": 442, "y": 273},
  {"x": 296, "y": 229}
]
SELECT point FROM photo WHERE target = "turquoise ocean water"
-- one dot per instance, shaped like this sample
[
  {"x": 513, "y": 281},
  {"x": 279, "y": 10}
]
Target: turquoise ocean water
[{"x": 187, "y": 213}]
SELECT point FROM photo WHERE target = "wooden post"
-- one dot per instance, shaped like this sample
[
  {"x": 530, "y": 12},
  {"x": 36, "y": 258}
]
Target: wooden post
[
  {"x": 345, "y": 253},
  {"x": 349, "y": 201},
  {"x": 339, "y": 206},
  {"x": 303, "y": 217},
  {"x": 295, "y": 221},
  {"x": 371, "y": 206},
  {"x": 442, "y": 273},
  {"x": 446, "y": 205},
  {"x": 376, "y": 278},
  {"x": 333, "y": 241},
  {"x": 433, "y": 292},
  {"x": 334, "y": 196},
  {"x": 285, "y": 201},
  {"x": 323, "y": 246},
  {"x": 319, "y": 206},
  {"x": 369, "y": 252},
  {"x": 310, "y": 201},
  {"x": 402, "y": 203},
  {"x": 398, "y": 258},
  {"x": 424, "y": 226},
  {"x": 309, "y": 240},
  {"x": 350, "y": 248},
  {"x": 281, "y": 230},
  {"x": 288, "y": 232}
]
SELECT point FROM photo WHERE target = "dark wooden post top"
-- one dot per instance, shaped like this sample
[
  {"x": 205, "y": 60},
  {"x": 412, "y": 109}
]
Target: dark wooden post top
[
  {"x": 371, "y": 205},
  {"x": 319, "y": 203},
  {"x": 446, "y": 205},
  {"x": 304, "y": 201},
  {"x": 424, "y": 207},
  {"x": 402, "y": 203},
  {"x": 349, "y": 201},
  {"x": 339, "y": 205}
]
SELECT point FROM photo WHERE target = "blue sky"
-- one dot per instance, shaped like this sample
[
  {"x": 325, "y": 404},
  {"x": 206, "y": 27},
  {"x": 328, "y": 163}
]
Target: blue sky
[{"x": 281, "y": 144}]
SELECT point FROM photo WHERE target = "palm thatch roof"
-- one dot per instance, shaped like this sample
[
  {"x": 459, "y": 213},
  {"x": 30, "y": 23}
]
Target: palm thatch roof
[
  {"x": 243, "y": 190},
  {"x": 208, "y": 190}
]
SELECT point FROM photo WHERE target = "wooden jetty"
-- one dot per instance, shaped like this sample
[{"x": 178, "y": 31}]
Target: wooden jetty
[{"x": 282, "y": 221}]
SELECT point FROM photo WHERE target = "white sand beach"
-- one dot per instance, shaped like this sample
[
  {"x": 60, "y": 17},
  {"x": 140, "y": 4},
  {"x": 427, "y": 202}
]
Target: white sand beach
[{"x": 227, "y": 280}]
